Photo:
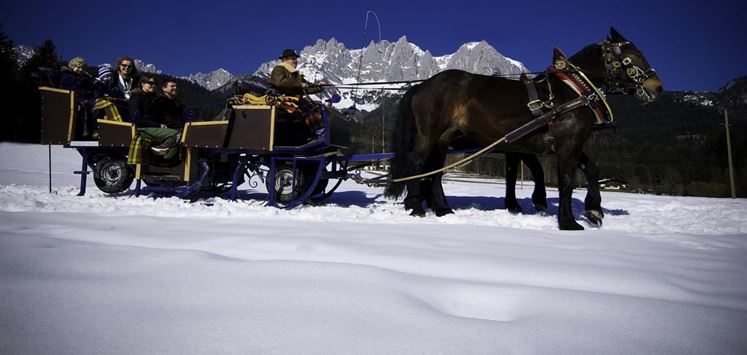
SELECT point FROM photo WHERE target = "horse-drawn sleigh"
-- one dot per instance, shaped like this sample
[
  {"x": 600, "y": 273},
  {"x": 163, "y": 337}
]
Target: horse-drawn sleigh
[{"x": 554, "y": 112}]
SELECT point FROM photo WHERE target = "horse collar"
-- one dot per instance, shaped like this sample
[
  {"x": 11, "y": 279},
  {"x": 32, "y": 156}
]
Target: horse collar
[{"x": 582, "y": 86}]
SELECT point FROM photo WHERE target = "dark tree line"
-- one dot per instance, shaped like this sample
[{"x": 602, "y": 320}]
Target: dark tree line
[
  {"x": 20, "y": 95},
  {"x": 18, "y": 90}
]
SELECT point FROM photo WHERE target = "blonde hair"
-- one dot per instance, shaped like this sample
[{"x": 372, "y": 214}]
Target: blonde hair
[{"x": 76, "y": 62}]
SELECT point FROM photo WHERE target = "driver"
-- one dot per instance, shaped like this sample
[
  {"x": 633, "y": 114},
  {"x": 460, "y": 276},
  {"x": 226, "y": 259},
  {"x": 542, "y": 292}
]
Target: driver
[{"x": 287, "y": 80}]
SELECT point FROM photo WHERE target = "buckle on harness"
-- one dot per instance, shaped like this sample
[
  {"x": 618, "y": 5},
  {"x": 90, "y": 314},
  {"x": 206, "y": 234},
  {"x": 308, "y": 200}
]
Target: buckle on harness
[{"x": 535, "y": 105}]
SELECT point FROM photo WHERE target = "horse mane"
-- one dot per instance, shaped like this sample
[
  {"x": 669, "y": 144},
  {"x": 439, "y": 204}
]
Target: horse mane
[{"x": 590, "y": 61}]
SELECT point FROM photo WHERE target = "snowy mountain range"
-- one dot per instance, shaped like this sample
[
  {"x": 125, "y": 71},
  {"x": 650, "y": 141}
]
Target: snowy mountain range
[
  {"x": 386, "y": 61},
  {"x": 382, "y": 61}
]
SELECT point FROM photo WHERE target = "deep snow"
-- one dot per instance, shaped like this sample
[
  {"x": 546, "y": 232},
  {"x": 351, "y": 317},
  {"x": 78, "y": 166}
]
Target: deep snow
[{"x": 124, "y": 275}]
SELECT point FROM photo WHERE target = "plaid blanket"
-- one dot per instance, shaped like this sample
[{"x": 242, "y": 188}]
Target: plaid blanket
[
  {"x": 110, "y": 109},
  {"x": 138, "y": 150}
]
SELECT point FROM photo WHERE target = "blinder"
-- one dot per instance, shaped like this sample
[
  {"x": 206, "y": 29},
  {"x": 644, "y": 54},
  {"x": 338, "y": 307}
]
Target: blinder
[{"x": 634, "y": 75}]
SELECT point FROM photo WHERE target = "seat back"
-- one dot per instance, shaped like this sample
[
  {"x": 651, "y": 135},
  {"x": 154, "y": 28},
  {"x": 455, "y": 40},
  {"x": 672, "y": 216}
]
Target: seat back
[
  {"x": 252, "y": 127},
  {"x": 207, "y": 134},
  {"x": 115, "y": 134},
  {"x": 57, "y": 115}
]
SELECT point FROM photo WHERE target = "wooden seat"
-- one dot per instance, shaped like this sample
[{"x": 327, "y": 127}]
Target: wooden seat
[
  {"x": 252, "y": 127},
  {"x": 115, "y": 134},
  {"x": 208, "y": 134},
  {"x": 57, "y": 115}
]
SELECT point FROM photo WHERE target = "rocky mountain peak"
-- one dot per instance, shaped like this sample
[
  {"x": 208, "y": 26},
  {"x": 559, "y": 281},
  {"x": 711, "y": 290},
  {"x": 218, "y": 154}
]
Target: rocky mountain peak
[
  {"x": 386, "y": 61},
  {"x": 211, "y": 80}
]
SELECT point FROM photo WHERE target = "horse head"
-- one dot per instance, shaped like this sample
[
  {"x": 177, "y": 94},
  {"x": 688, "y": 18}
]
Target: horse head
[{"x": 628, "y": 70}]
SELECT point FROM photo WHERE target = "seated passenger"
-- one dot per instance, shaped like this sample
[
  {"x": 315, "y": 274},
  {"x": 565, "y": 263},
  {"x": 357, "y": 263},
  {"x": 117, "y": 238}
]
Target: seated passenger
[
  {"x": 141, "y": 103},
  {"x": 168, "y": 108},
  {"x": 103, "y": 82},
  {"x": 75, "y": 78},
  {"x": 125, "y": 79},
  {"x": 152, "y": 130}
]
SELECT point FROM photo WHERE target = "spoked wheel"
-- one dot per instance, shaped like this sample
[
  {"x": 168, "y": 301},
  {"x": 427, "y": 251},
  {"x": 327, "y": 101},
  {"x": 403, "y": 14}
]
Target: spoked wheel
[
  {"x": 292, "y": 186},
  {"x": 112, "y": 174},
  {"x": 288, "y": 184}
]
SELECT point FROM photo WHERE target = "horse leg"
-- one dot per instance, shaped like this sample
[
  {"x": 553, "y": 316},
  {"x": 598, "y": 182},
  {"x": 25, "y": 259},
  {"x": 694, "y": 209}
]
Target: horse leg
[
  {"x": 512, "y": 167},
  {"x": 439, "y": 205},
  {"x": 593, "y": 201},
  {"x": 539, "y": 195},
  {"x": 437, "y": 197},
  {"x": 415, "y": 188},
  {"x": 414, "y": 200},
  {"x": 566, "y": 169}
]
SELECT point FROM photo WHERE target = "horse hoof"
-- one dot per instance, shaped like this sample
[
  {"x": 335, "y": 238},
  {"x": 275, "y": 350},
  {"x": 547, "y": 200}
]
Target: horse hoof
[
  {"x": 416, "y": 213},
  {"x": 443, "y": 212},
  {"x": 542, "y": 210},
  {"x": 594, "y": 217},
  {"x": 515, "y": 210},
  {"x": 571, "y": 226}
]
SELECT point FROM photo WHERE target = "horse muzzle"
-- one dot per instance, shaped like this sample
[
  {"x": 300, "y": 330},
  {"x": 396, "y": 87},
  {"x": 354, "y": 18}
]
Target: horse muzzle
[{"x": 650, "y": 90}]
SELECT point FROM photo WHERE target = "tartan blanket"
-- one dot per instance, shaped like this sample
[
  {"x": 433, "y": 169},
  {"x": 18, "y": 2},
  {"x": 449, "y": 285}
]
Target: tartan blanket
[
  {"x": 110, "y": 109},
  {"x": 138, "y": 150}
]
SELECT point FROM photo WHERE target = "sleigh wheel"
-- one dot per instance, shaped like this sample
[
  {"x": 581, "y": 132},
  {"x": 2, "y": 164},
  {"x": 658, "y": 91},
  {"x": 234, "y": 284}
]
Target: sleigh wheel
[
  {"x": 113, "y": 175},
  {"x": 294, "y": 184}
]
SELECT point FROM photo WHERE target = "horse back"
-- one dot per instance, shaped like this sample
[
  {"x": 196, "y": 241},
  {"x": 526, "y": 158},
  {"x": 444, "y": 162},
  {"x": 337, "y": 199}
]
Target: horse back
[{"x": 481, "y": 107}]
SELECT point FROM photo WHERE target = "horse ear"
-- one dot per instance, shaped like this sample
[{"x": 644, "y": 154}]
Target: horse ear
[
  {"x": 557, "y": 53},
  {"x": 616, "y": 36}
]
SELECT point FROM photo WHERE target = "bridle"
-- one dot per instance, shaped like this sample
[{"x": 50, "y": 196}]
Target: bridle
[{"x": 632, "y": 76}]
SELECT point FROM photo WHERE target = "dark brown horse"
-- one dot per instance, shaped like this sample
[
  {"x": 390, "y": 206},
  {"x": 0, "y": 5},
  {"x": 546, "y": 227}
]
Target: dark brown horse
[{"x": 455, "y": 104}]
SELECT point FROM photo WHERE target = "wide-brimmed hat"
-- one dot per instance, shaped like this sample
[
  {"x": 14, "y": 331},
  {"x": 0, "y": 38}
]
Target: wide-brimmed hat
[{"x": 289, "y": 53}]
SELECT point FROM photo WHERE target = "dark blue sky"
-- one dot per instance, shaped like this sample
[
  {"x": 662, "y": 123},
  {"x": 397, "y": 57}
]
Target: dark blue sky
[{"x": 695, "y": 45}]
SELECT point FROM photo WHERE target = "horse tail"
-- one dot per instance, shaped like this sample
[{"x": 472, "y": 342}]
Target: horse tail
[{"x": 403, "y": 143}]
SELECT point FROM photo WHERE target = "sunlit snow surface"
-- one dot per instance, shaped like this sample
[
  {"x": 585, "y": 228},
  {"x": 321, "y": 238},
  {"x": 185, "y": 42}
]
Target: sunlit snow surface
[{"x": 125, "y": 275}]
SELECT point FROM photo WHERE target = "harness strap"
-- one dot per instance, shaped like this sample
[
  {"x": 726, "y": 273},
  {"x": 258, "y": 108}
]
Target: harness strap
[
  {"x": 509, "y": 137},
  {"x": 545, "y": 118},
  {"x": 534, "y": 105}
]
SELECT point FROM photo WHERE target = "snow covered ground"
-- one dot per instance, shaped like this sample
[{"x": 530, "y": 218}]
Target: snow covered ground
[{"x": 125, "y": 275}]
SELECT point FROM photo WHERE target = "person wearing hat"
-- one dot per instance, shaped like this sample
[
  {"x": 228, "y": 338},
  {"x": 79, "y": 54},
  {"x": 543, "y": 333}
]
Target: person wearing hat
[
  {"x": 103, "y": 81},
  {"x": 286, "y": 78}
]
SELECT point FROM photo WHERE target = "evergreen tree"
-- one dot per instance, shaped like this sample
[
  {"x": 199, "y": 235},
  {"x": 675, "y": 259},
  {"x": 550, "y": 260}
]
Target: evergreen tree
[
  {"x": 27, "y": 124},
  {"x": 8, "y": 86}
]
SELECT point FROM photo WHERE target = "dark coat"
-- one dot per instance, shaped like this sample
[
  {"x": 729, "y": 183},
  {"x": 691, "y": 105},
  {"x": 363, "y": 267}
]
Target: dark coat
[
  {"x": 170, "y": 112},
  {"x": 142, "y": 109},
  {"x": 288, "y": 82},
  {"x": 116, "y": 91},
  {"x": 81, "y": 83}
]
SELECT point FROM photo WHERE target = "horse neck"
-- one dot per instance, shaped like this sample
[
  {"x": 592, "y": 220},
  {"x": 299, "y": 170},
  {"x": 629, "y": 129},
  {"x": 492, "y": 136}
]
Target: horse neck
[{"x": 591, "y": 62}]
